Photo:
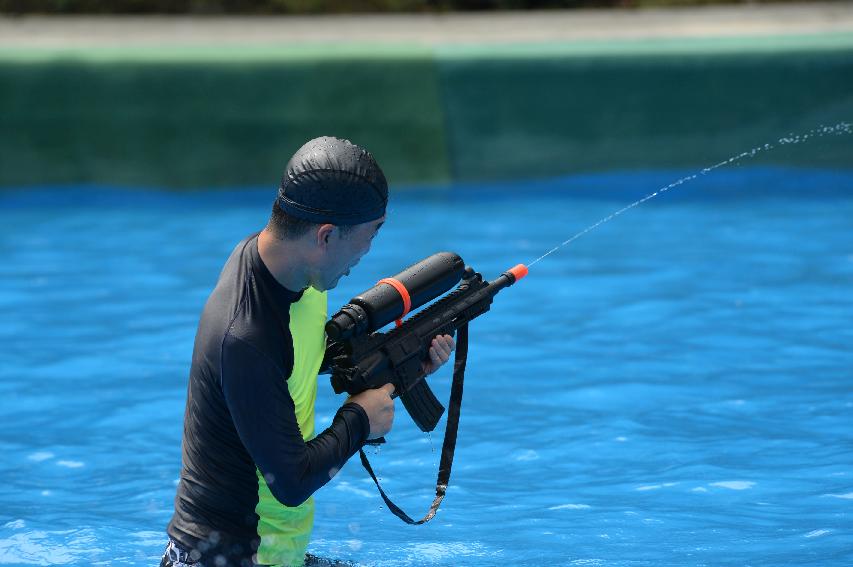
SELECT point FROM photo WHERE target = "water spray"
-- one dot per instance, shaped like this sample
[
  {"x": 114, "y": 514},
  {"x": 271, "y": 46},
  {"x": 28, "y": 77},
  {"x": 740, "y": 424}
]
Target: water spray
[{"x": 839, "y": 129}]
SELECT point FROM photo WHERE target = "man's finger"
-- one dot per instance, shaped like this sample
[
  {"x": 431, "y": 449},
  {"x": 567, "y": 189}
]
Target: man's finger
[
  {"x": 443, "y": 341},
  {"x": 389, "y": 388},
  {"x": 451, "y": 344}
]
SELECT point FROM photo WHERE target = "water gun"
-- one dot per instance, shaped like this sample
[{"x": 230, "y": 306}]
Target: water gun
[{"x": 360, "y": 356}]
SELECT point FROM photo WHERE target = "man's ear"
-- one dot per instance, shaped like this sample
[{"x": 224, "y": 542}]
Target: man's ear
[{"x": 324, "y": 233}]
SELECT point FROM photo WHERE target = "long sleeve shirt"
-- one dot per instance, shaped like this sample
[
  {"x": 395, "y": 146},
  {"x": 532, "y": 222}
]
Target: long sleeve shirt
[{"x": 241, "y": 418}]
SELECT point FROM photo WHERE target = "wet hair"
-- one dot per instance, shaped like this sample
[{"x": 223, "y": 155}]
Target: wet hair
[{"x": 287, "y": 227}]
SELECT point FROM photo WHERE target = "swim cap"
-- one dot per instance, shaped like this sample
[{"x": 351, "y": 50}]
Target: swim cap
[{"x": 330, "y": 180}]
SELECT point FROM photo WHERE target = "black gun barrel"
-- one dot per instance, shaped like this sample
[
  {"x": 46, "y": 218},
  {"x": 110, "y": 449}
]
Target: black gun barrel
[
  {"x": 506, "y": 279},
  {"x": 383, "y": 303}
]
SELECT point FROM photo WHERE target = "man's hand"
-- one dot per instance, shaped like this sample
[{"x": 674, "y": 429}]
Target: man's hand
[
  {"x": 377, "y": 403},
  {"x": 379, "y": 407},
  {"x": 439, "y": 353}
]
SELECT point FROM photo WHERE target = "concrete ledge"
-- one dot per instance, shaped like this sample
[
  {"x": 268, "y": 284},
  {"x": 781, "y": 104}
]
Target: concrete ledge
[{"x": 429, "y": 29}]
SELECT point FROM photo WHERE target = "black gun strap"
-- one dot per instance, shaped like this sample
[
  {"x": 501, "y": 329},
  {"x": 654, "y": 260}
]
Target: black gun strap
[{"x": 448, "y": 447}]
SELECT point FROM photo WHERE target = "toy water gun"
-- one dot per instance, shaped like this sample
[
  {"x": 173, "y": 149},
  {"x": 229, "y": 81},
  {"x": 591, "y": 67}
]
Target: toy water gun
[{"x": 361, "y": 357}]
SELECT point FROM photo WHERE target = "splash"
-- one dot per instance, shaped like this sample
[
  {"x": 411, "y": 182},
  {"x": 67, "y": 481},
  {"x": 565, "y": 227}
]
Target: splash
[{"x": 839, "y": 129}]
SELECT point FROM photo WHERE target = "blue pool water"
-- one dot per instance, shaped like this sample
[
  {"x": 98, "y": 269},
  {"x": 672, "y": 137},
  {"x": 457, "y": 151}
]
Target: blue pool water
[{"x": 675, "y": 388}]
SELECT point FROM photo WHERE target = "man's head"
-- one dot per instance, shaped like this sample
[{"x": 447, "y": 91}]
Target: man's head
[{"x": 331, "y": 203}]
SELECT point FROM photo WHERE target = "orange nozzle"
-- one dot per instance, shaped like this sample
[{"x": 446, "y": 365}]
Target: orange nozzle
[{"x": 518, "y": 271}]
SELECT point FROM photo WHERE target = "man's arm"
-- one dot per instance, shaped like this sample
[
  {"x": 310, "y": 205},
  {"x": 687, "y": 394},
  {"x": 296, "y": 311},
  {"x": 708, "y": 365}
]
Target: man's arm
[{"x": 265, "y": 417}]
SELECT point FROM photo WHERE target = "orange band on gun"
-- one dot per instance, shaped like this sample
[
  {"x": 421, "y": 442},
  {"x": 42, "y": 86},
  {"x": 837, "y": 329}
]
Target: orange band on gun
[{"x": 404, "y": 293}]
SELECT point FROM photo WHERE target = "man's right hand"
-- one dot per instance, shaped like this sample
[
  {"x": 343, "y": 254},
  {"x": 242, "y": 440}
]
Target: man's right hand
[{"x": 379, "y": 407}]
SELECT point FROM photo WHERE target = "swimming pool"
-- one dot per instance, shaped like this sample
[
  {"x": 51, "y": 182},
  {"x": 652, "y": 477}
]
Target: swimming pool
[{"x": 672, "y": 389}]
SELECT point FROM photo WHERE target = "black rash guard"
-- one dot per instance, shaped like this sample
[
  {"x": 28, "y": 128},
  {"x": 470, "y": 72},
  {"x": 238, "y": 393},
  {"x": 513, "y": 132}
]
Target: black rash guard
[{"x": 240, "y": 415}]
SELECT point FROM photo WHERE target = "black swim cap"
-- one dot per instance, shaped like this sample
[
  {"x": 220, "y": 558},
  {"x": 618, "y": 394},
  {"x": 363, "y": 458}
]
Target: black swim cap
[{"x": 330, "y": 180}]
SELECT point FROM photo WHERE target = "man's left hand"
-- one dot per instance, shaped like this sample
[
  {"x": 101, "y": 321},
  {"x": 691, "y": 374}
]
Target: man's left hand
[{"x": 439, "y": 353}]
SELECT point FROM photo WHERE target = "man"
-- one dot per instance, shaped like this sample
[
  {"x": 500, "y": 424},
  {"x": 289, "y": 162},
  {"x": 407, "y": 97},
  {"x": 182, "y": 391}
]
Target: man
[{"x": 250, "y": 458}]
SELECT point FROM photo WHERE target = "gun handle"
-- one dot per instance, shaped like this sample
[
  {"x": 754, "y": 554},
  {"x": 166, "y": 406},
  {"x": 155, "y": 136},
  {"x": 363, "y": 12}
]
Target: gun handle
[{"x": 423, "y": 406}]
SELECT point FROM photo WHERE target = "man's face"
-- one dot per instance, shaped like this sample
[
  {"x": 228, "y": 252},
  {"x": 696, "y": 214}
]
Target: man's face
[{"x": 344, "y": 251}]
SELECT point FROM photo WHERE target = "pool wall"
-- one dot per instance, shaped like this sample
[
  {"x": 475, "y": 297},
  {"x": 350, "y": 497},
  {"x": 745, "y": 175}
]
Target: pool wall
[{"x": 225, "y": 117}]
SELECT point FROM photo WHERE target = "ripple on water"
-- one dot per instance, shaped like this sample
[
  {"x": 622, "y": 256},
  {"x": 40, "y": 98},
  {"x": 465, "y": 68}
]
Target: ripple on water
[
  {"x": 40, "y": 456},
  {"x": 734, "y": 484},
  {"x": 37, "y": 547},
  {"x": 571, "y": 507}
]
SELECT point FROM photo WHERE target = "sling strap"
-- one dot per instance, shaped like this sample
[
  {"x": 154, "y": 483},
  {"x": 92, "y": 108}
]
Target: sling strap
[{"x": 448, "y": 447}]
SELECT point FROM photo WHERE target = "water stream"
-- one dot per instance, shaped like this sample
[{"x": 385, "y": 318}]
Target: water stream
[{"x": 839, "y": 129}]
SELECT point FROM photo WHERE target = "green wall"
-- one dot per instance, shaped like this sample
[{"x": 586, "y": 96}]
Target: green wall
[{"x": 214, "y": 117}]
